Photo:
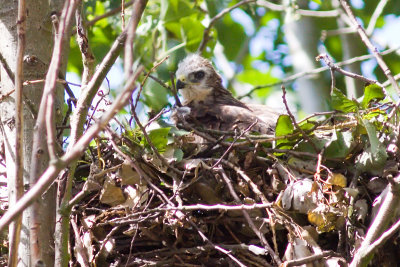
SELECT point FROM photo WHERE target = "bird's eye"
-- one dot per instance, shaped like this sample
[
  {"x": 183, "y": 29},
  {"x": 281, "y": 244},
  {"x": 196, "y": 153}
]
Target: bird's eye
[{"x": 198, "y": 75}]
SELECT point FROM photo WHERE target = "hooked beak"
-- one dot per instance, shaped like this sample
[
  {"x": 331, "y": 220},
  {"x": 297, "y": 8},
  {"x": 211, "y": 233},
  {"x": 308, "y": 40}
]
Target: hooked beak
[{"x": 180, "y": 84}]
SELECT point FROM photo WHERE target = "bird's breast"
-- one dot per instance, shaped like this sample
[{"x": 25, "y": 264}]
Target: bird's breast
[{"x": 195, "y": 95}]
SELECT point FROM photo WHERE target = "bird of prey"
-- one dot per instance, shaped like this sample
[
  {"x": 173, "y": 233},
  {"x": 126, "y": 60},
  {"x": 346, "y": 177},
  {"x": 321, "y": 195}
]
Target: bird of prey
[{"x": 214, "y": 106}]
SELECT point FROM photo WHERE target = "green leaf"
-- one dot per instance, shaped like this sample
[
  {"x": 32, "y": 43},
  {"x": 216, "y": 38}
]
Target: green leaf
[
  {"x": 178, "y": 154},
  {"x": 155, "y": 96},
  {"x": 284, "y": 127},
  {"x": 340, "y": 144},
  {"x": 372, "y": 92},
  {"x": 256, "y": 77},
  {"x": 159, "y": 138},
  {"x": 377, "y": 147},
  {"x": 173, "y": 10},
  {"x": 373, "y": 158},
  {"x": 342, "y": 103},
  {"x": 231, "y": 35},
  {"x": 192, "y": 31}
]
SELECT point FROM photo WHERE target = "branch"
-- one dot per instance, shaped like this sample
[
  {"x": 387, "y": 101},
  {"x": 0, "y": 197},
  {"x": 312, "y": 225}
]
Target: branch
[
  {"x": 52, "y": 171},
  {"x": 18, "y": 183},
  {"x": 108, "y": 14},
  {"x": 377, "y": 13},
  {"x": 246, "y": 215},
  {"x": 310, "y": 258},
  {"x": 334, "y": 67},
  {"x": 293, "y": 119},
  {"x": 371, "y": 47},
  {"x": 386, "y": 212},
  {"x": 317, "y": 70},
  {"x": 303, "y": 12},
  {"x": 137, "y": 11},
  {"x": 7, "y": 68},
  {"x": 206, "y": 33}
]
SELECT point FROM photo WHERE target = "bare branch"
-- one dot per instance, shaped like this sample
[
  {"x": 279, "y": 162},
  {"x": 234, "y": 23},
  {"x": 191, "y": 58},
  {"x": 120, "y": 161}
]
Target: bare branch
[
  {"x": 15, "y": 229},
  {"x": 381, "y": 220},
  {"x": 206, "y": 33},
  {"x": 7, "y": 68},
  {"x": 137, "y": 11},
  {"x": 108, "y": 13},
  {"x": 52, "y": 171},
  {"x": 371, "y": 47},
  {"x": 296, "y": 76},
  {"x": 377, "y": 13}
]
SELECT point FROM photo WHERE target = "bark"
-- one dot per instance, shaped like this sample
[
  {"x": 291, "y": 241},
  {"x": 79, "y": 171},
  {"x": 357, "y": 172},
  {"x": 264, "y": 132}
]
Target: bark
[{"x": 37, "y": 56}]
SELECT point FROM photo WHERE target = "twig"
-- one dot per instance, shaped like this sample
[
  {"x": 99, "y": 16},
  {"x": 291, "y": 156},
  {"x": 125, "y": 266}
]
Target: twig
[
  {"x": 385, "y": 214},
  {"x": 137, "y": 11},
  {"x": 233, "y": 143},
  {"x": 7, "y": 68},
  {"x": 178, "y": 214},
  {"x": 206, "y": 33},
  {"x": 303, "y": 12},
  {"x": 18, "y": 183},
  {"x": 377, "y": 13},
  {"x": 311, "y": 258},
  {"x": 383, "y": 238},
  {"x": 109, "y": 13},
  {"x": 293, "y": 119},
  {"x": 52, "y": 171},
  {"x": 334, "y": 67},
  {"x": 83, "y": 258},
  {"x": 371, "y": 47},
  {"x": 104, "y": 242},
  {"x": 315, "y": 71},
  {"x": 174, "y": 91},
  {"x": 156, "y": 65},
  {"x": 246, "y": 215}
]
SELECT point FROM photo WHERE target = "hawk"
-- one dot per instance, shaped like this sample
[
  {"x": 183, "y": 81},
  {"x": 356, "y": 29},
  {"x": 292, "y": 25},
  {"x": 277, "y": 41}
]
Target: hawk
[{"x": 214, "y": 106}]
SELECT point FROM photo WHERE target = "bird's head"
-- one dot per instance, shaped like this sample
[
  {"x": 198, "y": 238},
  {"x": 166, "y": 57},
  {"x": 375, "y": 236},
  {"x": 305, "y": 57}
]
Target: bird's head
[{"x": 196, "y": 78}]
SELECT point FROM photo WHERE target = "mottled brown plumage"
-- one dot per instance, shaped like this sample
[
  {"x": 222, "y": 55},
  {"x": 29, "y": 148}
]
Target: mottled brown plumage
[{"x": 214, "y": 106}]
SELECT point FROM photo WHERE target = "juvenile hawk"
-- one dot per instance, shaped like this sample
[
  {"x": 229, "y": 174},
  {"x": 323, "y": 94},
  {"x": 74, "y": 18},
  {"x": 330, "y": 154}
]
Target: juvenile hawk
[{"x": 214, "y": 106}]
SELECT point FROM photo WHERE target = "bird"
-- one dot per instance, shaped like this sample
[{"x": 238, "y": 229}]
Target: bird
[{"x": 211, "y": 104}]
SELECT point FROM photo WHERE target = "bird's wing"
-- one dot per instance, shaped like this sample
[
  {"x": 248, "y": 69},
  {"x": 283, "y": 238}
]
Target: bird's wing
[
  {"x": 265, "y": 113},
  {"x": 228, "y": 118}
]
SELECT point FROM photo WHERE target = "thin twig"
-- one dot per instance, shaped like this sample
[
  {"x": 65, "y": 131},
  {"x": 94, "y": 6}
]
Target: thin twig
[
  {"x": 246, "y": 215},
  {"x": 377, "y": 13},
  {"x": 52, "y": 171},
  {"x": 334, "y": 67},
  {"x": 156, "y": 65},
  {"x": 109, "y": 13},
  {"x": 18, "y": 183},
  {"x": 293, "y": 119},
  {"x": 385, "y": 214},
  {"x": 371, "y": 47},
  {"x": 303, "y": 12},
  {"x": 315, "y": 71},
  {"x": 137, "y": 11},
  {"x": 206, "y": 33},
  {"x": 311, "y": 258},
  {"x": 174, "y": 91},
  {"x": 7, "y": 68}
]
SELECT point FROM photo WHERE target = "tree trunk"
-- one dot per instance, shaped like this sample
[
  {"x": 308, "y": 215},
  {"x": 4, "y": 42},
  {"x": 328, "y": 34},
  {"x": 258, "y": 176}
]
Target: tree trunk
[
  {"x": 302, "y": 39},
  {"x": 38, "y": 221}
]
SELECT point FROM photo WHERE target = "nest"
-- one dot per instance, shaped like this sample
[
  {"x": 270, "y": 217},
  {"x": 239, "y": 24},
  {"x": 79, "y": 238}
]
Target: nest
[{"x": 186, "y": 196}]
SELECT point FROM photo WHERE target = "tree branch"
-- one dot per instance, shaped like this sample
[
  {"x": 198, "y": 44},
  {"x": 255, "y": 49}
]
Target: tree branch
[
  {"x": 15, "y": 229},
  {"x": 371, "y": 47},
  {"x": 52, "y": 171}
]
